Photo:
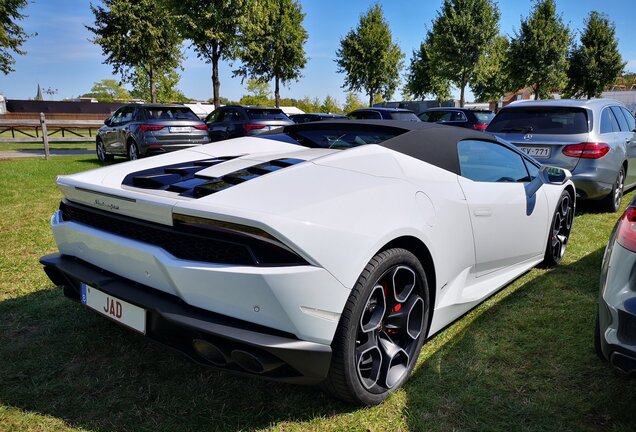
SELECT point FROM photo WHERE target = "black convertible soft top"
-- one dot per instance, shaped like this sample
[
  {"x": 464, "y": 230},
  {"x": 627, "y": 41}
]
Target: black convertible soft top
[{"x": 432, "y": 143}]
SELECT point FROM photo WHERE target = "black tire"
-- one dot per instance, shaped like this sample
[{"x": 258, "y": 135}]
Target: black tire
[
  {"x": 612, "y": 202},
  {"x": 560, "y": 229},
  {"x": 132, "y": 150},
  {"x": 374, "y": 349},
  {"x": 597, "y": 339},
  {"x": 101, "y": 152}
]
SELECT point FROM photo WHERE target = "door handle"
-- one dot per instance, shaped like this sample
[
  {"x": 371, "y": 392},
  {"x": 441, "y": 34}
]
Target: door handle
[{"x": 483, "y": 212}]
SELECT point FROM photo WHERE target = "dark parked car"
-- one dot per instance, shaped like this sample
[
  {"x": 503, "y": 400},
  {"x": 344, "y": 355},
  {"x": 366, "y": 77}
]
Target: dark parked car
[
  {"x": 310, "y": 117},
  {"x": 462, "y": 117},
  {"x": 594, "y": 139},
  {"x": 375, "y": 113},
  {"x": 137, "y": 130},
  {"x": 615, "y": 334},
  {"x": 233, "y": 121}
]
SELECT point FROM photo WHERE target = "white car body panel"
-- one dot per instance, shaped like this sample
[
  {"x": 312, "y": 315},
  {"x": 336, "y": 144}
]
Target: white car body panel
[{"x": 336, "y": 210}]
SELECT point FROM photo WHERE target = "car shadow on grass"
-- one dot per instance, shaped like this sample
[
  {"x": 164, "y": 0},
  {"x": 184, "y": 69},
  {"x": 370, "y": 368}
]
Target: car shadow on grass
[
  {"x": 60, "y": 359},
  {"x": 524, "y": 361}
]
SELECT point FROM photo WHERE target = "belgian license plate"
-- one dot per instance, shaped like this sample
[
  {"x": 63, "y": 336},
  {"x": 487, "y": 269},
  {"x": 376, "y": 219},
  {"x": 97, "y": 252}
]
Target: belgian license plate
[
  {"x": 116, "y": 309},
  {"x": 538, "y": 152},
  {"x": 179, "y": 129}
]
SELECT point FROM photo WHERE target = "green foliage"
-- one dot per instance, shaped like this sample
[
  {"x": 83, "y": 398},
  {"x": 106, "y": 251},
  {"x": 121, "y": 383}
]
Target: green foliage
[
  {"x": 352, "y": 102},
  {"x": 307, "y": 105},
  {"x": 596, "y": 62},
  {"x": 330, "y": 105},
  {"x": 369, "y": 58},
  {"x": 166, "y": 86},
  {"x": 423, "y": 77},
  {"x": 491, "y": 81},
  {"x": 272, "y": 46},
  {"x": 260, "y": 93},
  {"x": 12, "y": 36},
  {"x": 213, "y": 28},
  {"x": 137, "y": 35},
  {"x": 460, "y": 34},
  {"x": 538, "y": 53},
  {"x": 108, "y": 90}
]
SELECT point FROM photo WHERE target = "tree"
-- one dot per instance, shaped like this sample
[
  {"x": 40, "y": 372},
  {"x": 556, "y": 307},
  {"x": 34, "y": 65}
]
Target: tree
[
  {"x": 272, "y": 46},
  {"x": 165, "y": 89},
  {"x": 352, "y": 102},
  {"x": 137, "y": 35},
  {"x": 330, "y": 105},
  {"x": 108, "y": 90},
  {"x": 369, "y": 58},
  {"x": 491, "y": 81},
  {"x": 537, "y": 54},
  {"x": 423, "y": 77},
  {"x": 259, "y": 93},
  {"x": 213, "y": 28},
  {"x": 596, "y": 62},
  {"x": 12, "y": 36},
  {"x": 459, "y": 36}
]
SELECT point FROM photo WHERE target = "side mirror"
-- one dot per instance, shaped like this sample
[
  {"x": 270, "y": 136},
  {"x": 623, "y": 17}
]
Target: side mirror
[
  {"x": 554, "y": 175},
  {"x": 107, "y": 121}
]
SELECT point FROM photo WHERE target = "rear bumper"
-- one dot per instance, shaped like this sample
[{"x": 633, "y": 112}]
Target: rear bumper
[{"x": 208, "y": 338}]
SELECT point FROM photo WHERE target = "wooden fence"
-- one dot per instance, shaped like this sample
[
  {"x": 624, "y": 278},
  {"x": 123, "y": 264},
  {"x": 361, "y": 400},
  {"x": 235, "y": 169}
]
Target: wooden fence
[{"x": 41, "y": 130}]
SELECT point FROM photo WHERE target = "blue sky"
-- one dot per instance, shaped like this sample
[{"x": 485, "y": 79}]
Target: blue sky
[{"x": 61, "y": 56}]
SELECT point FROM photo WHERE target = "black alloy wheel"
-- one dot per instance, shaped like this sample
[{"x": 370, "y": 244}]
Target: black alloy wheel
[
  {"x": 382, "y": 329},
  {"x": 559, "y": 230}
]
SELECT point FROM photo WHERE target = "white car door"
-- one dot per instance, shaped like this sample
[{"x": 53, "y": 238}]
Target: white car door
[{"x": 510, "y": 224}]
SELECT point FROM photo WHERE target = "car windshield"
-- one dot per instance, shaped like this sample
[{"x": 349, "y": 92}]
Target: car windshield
[
  {"x": 170, "y": 113},
  {"x": 266, "y": 114},
  {"x": 404, "y": 116},
  {"x": 540, "y": 120},
  {"x": 484, "y": 116},
  {"x": 334, "y": 138}
]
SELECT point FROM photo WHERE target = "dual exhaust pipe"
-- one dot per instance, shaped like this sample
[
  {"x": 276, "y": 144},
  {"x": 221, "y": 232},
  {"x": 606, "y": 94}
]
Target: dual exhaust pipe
[{"x": 253, "y": 361}]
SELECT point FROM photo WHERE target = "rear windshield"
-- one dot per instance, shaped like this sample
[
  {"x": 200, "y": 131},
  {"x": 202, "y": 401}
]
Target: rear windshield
[
  {"x": 266, "y": 114},
  {"x": 484, "y": 116},
  {"x": 404, "y": 116},
  {"x": 170, "y": 113},
  {"x": 333, "y": 138},
  {"x": 540, "y": 120}
]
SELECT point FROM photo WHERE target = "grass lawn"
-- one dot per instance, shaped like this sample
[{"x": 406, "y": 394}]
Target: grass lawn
[
  {"x": 522, "y": 361},
  {"x": 69, "y": 145}
]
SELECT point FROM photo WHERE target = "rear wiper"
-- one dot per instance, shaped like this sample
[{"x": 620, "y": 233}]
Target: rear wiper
[{"x": 518, "y": 129}]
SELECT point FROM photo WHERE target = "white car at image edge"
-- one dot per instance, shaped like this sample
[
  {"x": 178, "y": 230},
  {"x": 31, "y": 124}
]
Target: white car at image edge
[{"x": 318, "y": 253}]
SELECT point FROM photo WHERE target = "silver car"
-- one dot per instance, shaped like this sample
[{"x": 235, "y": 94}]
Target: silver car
[
  {"x": 137, "y": 130},
  {"x": 594, "y": 139}
]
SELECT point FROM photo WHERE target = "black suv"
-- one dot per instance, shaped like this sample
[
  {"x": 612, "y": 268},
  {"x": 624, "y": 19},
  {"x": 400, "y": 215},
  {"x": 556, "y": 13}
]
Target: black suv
[
  {"x": 232, "y": 121},
  {"x": 462, "y": 117},
  {"x": 377, "y": 113}
]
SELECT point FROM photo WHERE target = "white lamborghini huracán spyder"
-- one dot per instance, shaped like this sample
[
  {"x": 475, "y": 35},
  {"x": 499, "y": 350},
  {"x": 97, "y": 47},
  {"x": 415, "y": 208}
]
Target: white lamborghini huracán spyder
[{"x": 318, "y": 253}]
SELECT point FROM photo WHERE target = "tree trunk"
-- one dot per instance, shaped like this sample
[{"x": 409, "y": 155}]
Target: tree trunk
[
  {"x": 216, "y": 82},
  {"x": 537, "y": 87},
  {"x": 371, "y": 98},
  {"x": 277, "y": 91},
  {"x": 153, "y": 85},
  {"x": 461, "y": 94}
]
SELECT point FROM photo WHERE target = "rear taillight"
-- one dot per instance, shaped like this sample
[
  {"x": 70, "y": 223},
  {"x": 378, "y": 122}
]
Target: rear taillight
[
  {"x": 480, "y": 126},
  {"x": 587, "y": 150},
  {"x": 253, "y": 126},
  {"x": 626, "y": 235},
  {"x": 201, "y": 127},
  {"x": 150, "y": 128}
]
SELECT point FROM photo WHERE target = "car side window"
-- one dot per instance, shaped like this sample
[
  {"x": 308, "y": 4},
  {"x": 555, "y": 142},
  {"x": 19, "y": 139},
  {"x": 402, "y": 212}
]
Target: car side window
[
  {"x": 608, "y": 122},
  {"x": 621, "y": 118},
  {"x": 631, "y": 123},
  {"x": 139, "y": 115},
  {"x": 126, "y": 116},
  {"x": 485, "y": 161},
  {"x": 458, "y": 116},
  {"x": 222, "y": 116},
  {"x": 366, "y": 115},
  {"x": 114, "y": 119}
]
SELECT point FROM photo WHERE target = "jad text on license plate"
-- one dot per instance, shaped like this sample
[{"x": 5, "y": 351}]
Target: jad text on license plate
[
  {"x": 538, "y": 152},
  {"x": 116, "y": 309},
  {"x": 179, "y": 129}
]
